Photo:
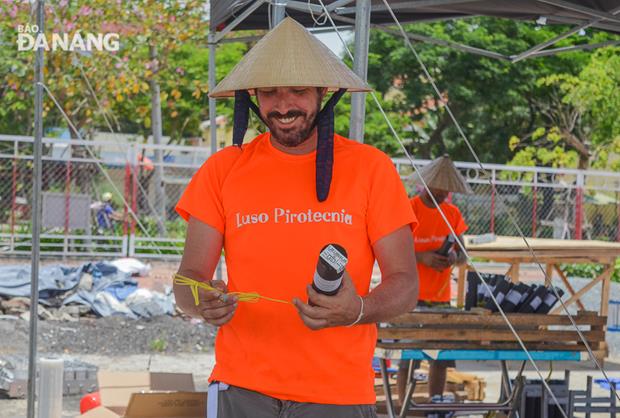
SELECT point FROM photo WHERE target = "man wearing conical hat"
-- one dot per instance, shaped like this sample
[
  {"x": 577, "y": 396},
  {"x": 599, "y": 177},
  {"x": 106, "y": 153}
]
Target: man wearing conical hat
[
  {"x": 436, "y": 252},
  {"x": 272, "y": 204}
]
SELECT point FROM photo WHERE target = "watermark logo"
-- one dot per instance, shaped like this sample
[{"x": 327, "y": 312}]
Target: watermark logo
[{"x": 29, "y": 39}]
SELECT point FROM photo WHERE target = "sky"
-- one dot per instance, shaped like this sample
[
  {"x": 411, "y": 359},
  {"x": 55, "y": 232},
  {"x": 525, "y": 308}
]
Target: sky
[{"x": 334, "y": 43}]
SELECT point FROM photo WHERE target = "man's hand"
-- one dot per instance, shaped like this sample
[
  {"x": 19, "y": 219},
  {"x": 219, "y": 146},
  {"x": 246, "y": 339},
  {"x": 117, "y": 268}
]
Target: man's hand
[
  {"x": 340, "y": 309},
  {"x": 433, "y": 260},
  {"x": 216, "y": 307}
]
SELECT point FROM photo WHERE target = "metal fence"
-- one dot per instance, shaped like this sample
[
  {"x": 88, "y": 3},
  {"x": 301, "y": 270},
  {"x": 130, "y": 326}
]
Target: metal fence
[
  {"x": 539, "y": 201},
  {"x": 146, "y": 181}
]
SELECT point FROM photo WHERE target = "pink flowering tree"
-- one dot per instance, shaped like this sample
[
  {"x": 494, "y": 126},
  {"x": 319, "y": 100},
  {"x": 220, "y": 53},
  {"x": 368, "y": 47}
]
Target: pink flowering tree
[{"x": 99, "y": 89}]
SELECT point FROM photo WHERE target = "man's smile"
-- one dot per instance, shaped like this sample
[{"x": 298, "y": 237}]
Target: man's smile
[{"x": 286, "y": 120}]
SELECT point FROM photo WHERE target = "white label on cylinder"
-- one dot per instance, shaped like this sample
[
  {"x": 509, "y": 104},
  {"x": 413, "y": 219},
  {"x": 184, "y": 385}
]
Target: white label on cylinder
[
  {"x": 334, "y": 258},
  {"x": 535, "y": 303},
  {"x": 549, "y": 299},
  {"x": 326, "y": 285},
  {"x": 513, "y": 297}
]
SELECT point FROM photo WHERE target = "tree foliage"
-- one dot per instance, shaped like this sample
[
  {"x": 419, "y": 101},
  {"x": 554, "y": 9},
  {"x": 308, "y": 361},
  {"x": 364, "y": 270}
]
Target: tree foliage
[
  {"x": 100, "y": 87},
  {"x": 493, "y": 100},
  {"x": 557, "y": 111},
  {"x": 376, "y": 130},
  {"x": 581, "y": 124}
]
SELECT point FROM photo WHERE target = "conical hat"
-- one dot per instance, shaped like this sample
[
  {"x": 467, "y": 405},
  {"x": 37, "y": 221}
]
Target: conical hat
[
  {"x": 442, "y": 174},
  {"x": 289, "y": 56}
]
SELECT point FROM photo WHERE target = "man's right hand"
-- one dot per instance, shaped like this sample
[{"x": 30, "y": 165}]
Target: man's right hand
[
  {"x": 433, "y": 260},
  {"x": 217, "y": 307}
]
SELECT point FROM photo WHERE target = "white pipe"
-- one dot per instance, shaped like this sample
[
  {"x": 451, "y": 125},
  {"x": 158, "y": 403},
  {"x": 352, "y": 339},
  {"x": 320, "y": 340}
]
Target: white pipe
[{"x": 50, "y": 387}]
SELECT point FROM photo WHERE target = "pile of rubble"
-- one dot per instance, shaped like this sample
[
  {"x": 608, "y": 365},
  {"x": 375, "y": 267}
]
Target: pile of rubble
[{"x": 20, "y": 307}]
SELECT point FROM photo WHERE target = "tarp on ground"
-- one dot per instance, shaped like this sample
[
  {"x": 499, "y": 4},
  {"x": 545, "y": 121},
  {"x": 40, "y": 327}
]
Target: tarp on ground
[{"x": 100, "y": 286}]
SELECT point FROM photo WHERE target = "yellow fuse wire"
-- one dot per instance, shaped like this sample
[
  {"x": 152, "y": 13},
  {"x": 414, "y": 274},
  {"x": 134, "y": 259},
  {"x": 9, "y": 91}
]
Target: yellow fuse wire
[{"x": 251, "y": 297}]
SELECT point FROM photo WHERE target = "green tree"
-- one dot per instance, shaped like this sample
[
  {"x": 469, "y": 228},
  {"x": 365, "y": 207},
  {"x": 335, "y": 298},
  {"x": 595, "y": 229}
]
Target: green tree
[
  {"x": 119, "y": 79},
  {"x": 492, "y": 99},
  {"x": 580, "y": 126},
  {"x": 376, "y": 131}
]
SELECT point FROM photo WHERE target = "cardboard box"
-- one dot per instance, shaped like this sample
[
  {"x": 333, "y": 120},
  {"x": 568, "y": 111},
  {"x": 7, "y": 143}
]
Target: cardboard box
[{"x": 148, "y": 395}]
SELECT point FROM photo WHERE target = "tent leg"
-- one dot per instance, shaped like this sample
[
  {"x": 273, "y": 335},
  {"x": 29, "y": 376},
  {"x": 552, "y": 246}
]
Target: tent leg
[
  {"x": 36, "y": 215},
  {"x": 360, "y": 66},
  {"x": 278, "y": 12}
]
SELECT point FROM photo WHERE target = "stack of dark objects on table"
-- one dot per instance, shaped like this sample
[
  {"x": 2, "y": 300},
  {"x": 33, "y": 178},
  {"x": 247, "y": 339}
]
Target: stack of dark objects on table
[{"x": 512, "y": 297}]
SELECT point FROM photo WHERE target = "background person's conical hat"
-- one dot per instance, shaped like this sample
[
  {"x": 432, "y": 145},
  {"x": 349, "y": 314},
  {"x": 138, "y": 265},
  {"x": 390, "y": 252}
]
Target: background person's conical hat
[
  {"x": 289, "y": 56},
  {"x": 442, "y": 174}
]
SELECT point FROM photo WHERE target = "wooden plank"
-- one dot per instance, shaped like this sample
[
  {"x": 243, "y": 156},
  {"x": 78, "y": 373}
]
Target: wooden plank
[
  {"x": 568, "y": 286},
  {"x": 600, "y": 345},
  {"x": 605, "y": 291},
  {"x": 585, "y": 289},
  {"x": 466, "y": 345},
  {"x": 548, "y": 274},
  {"x": 538, "y": 244},
  {"x": 514, "y": 273},
  {"x": 526, "y": 256},
  {"x": 469, "y": 318},
  {"x": 486, "y": 335},
  {"x": 556, "y": 257}
]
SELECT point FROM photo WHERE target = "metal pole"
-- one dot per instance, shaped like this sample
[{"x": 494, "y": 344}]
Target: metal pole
[
  {"x": 493, "y": 203},
  {"x": 156, "y": 125},
  {"x": 240, "y": 18},
  {"x": 67, "y": 204},
  {"x": 134, "y": 197},
  {"x": 534, "y": 50},
  {"x": 14, "y": 197},
  {"x": 360, "y": 66},
  {"x": 36, "y": 214},
  {"x": 278, "y": 12},
  {"x": 212, "y": 108},
  {"x": 617, "y": 218},
  {"x": 579, "y": 207},
  {"x": 213, "y": 114},
  {"x": 386, "y": 389},
  {"x": 127, "y": 198},
  {"x": 534, "y": 210}
]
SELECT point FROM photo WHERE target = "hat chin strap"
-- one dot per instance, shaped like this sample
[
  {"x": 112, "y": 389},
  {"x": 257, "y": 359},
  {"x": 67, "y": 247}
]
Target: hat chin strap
[
  {"x": 324, "y": 123},
  {"x": 243, "y": 103},
  {"x": 325, "y": 146}
]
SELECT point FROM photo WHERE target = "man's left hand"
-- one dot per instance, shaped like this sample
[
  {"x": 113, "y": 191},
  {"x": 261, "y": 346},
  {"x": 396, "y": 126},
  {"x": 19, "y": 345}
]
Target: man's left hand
[{"x": 340, "y": 309}]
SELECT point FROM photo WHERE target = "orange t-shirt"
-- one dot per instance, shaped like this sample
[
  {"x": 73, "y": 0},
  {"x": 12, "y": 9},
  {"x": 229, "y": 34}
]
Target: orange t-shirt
[
  {"x": 264, "y": 202},
  {"x": 428, "y": 236}
]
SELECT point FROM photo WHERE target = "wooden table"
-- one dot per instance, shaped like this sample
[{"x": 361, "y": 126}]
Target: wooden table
[
  {"x": 443, "y": 334},
  {"x": 549, "y": 253}
]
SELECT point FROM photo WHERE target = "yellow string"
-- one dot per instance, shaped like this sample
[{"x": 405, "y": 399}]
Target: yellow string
[{"x": 251, "y": 297}]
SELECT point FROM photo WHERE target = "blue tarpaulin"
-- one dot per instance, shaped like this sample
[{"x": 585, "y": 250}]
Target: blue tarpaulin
[{"x": 101, "y": 286}]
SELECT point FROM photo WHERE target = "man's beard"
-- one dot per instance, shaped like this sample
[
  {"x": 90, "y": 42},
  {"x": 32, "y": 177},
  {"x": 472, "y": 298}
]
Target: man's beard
[{"x": 294, "y": 136}]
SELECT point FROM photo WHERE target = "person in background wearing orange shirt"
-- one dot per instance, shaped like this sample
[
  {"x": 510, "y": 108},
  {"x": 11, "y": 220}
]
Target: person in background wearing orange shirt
[
  {"x": 272, "y": 205},
  {"x": 434, "y": 268}
]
